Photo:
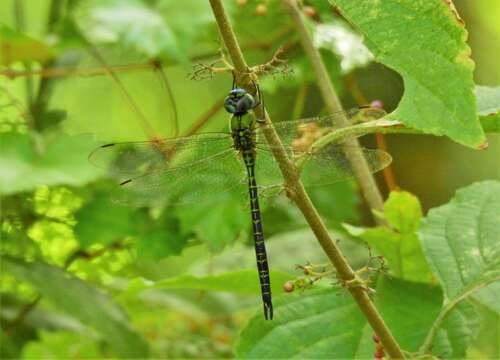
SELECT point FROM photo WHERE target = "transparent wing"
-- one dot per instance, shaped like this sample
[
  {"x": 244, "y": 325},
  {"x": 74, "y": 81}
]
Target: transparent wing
[
  {"x": 326, "y": 166},
  {"x": 139, "y": 158},
  {"x": 196, "y": 181},
  {"x": 322, "y": 166},
  {"x": 303, "y": 132},
  {"x": 331, "y": 164}
]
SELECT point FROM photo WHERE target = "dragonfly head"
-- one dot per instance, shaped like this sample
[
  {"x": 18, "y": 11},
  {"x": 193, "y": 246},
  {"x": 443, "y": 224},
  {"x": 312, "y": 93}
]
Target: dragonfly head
[{"x": 239, "y": 102}]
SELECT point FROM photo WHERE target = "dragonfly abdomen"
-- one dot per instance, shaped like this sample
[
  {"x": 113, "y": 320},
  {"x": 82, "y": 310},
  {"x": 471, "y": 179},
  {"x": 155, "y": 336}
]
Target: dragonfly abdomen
[{"x": 258, "y": 235}]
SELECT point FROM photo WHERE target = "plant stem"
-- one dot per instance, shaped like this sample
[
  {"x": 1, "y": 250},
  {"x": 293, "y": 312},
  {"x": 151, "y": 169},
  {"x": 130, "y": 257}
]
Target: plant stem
[
  {"x": 332, "y": 102},
  {"x": 298, "y": 194},
  {"x": 353, "y": 86}
]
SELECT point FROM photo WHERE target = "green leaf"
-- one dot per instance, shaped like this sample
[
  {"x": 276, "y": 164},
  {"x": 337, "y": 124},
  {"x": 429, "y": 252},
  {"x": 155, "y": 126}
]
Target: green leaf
[
  {"x": 308, "y": 325},
  {"x": 17, "y": 47},
  {"x": 159, "y": 243},
  {"x": 485, "y": 344},
  {"x": 461, "y": 242},
  {"x": 425, "y": 42},
  {"x": 86, "y": 303},
  {"x": 399, "y": 242},
  {"x": 54, "y": 345},
  {"x": 102, "y": 222},
  {"x": 411, "y": 316},
  {"x": 328, "y": 324},
  {"x": 217, "y": 223},
  {"x": 488, "y": 106},
  {"x": 132, "y": 23},
  {"x": 26, "y": 163},
  {"x": 241, "y": 282}
]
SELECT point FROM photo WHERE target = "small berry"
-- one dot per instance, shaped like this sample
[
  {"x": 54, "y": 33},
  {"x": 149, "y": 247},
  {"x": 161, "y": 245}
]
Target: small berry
[
  {"x": 379, "y": 353},
  {"x": 309, "y": 11},
  {"x": 308, "y": 270},
  {"x": 242, "y": 2},
  {"x": 261, "y": 10},
  {"x": 289, "y": 286}
]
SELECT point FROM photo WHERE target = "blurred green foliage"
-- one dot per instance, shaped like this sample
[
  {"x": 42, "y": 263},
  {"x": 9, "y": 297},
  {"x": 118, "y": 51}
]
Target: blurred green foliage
[{"x": 84, "y": 278}]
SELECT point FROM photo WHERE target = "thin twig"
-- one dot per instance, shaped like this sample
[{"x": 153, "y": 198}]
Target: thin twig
[
  {"x": 353, "y": 86},
  {"x": 39, "y": 105},
  {"x": 203, "y": 119},
  {"x": 297, "y": 192}
]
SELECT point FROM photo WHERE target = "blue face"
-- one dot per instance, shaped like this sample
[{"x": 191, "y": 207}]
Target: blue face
[{"x": 239, "y": 102}]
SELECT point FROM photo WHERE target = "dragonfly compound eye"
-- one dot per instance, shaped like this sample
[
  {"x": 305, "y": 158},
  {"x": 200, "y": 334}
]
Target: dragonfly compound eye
[{"x": 230, "y": 104}]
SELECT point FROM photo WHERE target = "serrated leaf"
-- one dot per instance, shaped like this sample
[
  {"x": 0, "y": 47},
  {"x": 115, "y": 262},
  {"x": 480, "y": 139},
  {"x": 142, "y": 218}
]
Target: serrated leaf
[
  {"x": 17, "y": 47},
  {"x": 328, "y": 324},
  {"x": 461, "y": 241},
  {"x": 244, "y": 281},
  {"x": 425, "y": 42},
  {"x": 62, "y": 161},
  {"x": 488, "y": 107},
  {"x": 399, "y": 242},
  {"x": 86, "y": 303}
]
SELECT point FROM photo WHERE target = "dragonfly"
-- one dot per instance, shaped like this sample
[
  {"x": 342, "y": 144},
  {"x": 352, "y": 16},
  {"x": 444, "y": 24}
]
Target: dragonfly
[{"x": 208, "y": 164}]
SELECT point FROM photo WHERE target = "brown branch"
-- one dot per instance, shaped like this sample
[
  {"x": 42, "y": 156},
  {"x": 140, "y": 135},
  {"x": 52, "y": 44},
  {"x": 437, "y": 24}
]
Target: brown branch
[{"x": 203, "y": 119}]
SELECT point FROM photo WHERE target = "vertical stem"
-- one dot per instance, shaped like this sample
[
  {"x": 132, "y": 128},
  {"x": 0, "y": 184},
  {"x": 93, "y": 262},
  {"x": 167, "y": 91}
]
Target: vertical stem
[
  {"x": 332, "y": 102},
  {"x": 298, "y": 194},
  {"x": 389, "y": 178},
  {"x": 20, "y": 24},
  {"x": 39, "y": 105}
]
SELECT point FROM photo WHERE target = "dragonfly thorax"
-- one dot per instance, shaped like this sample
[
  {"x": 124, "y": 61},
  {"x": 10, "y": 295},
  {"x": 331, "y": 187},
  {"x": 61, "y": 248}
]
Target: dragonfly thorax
[
  {"x": 239, "y": 102},
  {"x": 243, "y": 139}
]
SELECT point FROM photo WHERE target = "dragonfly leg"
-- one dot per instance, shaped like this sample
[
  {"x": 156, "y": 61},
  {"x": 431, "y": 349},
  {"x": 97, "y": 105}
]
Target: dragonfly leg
[{"x": 259, "y": 102}]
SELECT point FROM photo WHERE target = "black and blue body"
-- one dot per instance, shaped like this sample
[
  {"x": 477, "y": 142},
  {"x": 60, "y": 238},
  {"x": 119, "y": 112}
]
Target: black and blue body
[{"x": 238, "y": 103}]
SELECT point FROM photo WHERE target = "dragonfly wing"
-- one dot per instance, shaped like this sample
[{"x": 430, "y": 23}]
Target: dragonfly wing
[
  {"x": 196, "y": 181},
  {"x": 327, "y": 165},
  {"x": 331, "y": 164},
  {"x": 310, "y": 129},
  {"x": 140, "y": 158}
]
